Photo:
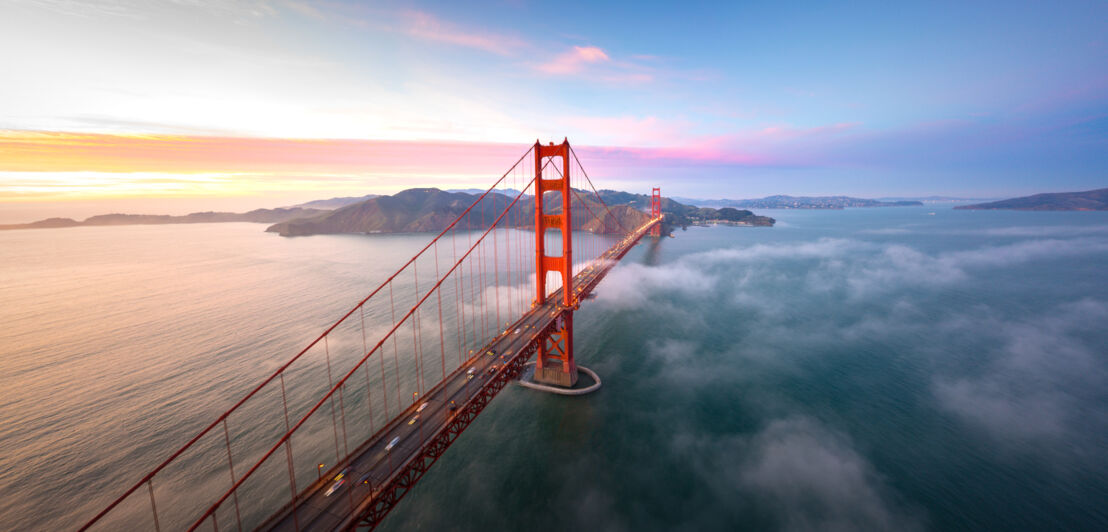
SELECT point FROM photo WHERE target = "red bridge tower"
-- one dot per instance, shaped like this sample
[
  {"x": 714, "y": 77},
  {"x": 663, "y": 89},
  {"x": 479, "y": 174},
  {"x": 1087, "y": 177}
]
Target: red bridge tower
[
  {"x": 554, "y": 362},
  {"x": 656, "y": 210}
]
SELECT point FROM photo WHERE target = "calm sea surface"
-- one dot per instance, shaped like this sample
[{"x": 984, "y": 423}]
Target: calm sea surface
[{"x": 880, "y": 369}]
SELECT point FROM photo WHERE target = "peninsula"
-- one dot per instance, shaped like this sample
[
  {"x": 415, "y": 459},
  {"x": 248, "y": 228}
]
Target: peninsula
[{"x": 1089, "y": 200}]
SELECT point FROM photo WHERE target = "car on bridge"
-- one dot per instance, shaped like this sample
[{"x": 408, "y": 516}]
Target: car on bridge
[
  {"x": 392, "y": 444},
  {"x": 340, "y": 480}
]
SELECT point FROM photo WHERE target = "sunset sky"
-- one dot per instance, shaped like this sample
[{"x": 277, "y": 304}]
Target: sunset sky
[{"x": 175, "y": 106}]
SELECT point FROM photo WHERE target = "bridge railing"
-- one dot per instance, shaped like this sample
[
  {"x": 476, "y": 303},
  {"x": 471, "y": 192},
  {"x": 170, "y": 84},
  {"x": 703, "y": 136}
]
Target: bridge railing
[{"x": 298, "y": 425}]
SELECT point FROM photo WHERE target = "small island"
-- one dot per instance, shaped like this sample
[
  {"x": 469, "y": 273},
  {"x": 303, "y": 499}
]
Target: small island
[{"x": 729, "y": 216}]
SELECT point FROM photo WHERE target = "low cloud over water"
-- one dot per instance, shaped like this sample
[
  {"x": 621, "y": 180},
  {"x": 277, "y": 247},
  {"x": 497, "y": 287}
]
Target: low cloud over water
[
  {"x": 1039, "y": 378},
  {"x": 823, "y": 354},
  {"x": 802, "y": 474},
  {"x": 858, "y": 267}
]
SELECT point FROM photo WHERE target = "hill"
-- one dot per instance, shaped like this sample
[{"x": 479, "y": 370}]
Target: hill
[
  {"x": 1090, "y": 200},
  {"x": 430, "y": 209}
]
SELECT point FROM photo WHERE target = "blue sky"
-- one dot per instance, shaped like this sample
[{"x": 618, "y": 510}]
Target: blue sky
[{"x": 707, "y": 100}]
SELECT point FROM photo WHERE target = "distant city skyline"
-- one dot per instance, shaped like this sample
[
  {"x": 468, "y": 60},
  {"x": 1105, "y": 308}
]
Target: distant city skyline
[{"x": 182, "y": 106}]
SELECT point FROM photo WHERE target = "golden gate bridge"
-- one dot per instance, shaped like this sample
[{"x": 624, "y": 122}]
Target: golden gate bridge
[{"x": 334, "y": 437}]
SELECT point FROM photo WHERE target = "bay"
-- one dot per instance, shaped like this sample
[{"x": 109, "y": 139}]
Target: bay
[{"x": 859, "y": 369}]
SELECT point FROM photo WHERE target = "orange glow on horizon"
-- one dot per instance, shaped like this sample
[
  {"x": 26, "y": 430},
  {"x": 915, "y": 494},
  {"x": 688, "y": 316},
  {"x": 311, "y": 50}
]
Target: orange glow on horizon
[
  {"x": 38, "y": 166},
  {"x": 61, "y": 166},
  {"x": 36, "y": 151}
]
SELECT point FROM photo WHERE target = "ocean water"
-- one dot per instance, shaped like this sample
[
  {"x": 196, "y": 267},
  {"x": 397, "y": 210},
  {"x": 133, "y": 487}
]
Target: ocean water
[{"x": 866, "y": 369}]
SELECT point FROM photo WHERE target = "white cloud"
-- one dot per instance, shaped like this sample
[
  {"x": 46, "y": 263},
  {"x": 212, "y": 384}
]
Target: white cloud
[
  {"x": 635, "y": 285},
  {"x": 574, "y": 60}
]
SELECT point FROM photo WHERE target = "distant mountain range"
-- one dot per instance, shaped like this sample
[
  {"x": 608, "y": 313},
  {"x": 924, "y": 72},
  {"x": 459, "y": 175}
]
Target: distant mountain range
[
  {"x": 1089, "y": 200},
  {"x": 333, "y": 203},
  {"x": 431, "y": 209},
  {"x": 798, "y": 202},
  {"x": 257, "y": 216},
  {"x": 936, "y": 199}
]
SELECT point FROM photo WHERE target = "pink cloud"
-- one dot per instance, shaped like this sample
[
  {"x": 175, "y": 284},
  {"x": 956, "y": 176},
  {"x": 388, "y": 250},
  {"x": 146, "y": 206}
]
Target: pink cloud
[
  {"x": 574, "y": 61},
  {"x": 426, "y": 26},
  {"x": 594, "y": 63}
]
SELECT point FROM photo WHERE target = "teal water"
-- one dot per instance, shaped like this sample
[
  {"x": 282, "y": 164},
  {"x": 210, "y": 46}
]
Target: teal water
[{"x": 859, "y": 369}]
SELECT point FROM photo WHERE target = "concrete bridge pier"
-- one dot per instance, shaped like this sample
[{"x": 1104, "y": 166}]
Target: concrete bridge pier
[{"x": 554, "y": 363}]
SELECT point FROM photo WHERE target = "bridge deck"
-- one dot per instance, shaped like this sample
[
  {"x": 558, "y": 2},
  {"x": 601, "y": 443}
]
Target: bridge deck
[{"x": 376, "y": 478}]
